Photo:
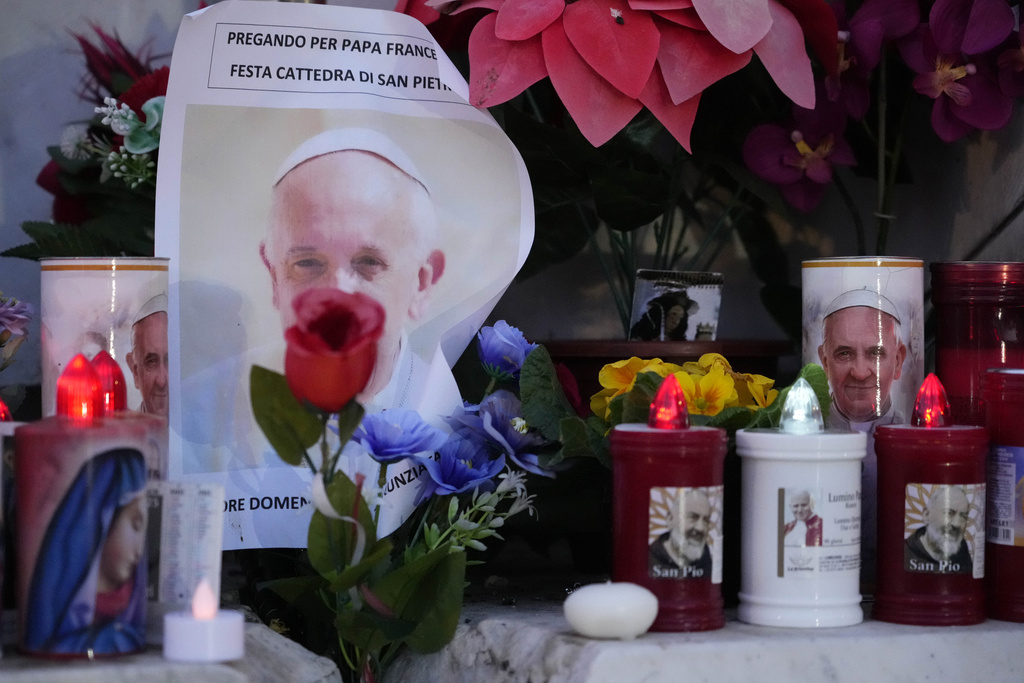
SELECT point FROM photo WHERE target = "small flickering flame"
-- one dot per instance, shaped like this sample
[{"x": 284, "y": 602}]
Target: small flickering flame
[
  {"x": 78, "y": 392},
  {"x": 204, "y": 602},
  {"x": 801, "y": 413},
  {"x": 931, "y": 409},
  {"x": 5, "y": 413},
  {"x": 113, "y": 390},
  {"x": 668, "y": 409}
]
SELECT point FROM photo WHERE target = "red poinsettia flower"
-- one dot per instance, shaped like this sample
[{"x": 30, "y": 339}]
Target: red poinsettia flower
[
  {"x": 67, "y": 208},
  {"x": 607, "y": 60}
]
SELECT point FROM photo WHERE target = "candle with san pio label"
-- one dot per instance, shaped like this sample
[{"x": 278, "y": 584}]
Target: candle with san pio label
[
  {"x": 667, "y": 512},
  {"x": 931, "y": 516}
]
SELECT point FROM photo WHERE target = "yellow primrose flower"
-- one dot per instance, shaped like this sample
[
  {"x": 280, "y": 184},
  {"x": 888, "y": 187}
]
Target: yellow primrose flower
[
  {"x": 705, "y": 363},
  {"x": 752, "y": 391},
  {"x": 618, "y": 378},
  {"x": 755, "y": 391},
  {"x": 707, "y": 394}
]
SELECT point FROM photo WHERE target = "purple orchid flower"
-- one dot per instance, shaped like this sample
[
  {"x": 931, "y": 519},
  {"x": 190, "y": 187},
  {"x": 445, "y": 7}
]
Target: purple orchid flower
[
  {"x": 462, "y": 465},
  {"x": 799, "y": 158},
  {"x": 396, "y": 434},
  {"x": 14, "y": 315},
  {"x": 503, "y": 350},
  {"x": 949, "y": 56},
  {"x": 861, "y": 40},
  {"x": 1011, "y": 66}
]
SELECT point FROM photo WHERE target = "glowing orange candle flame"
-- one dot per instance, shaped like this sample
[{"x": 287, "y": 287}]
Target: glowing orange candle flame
[
  {"x": 78, "y": 392},
  {"x": 204, "y": 602},
  {"x": 113, "y": 390},
  {"x": 668, "y": 409},
  {"x": 932, "y": 407}
]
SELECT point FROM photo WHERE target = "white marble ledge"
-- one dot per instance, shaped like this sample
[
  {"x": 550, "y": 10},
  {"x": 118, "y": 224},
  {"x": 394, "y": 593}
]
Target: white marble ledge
[
  {"x": 533, "y": 643},
  {"x": 269, "y": 658}
]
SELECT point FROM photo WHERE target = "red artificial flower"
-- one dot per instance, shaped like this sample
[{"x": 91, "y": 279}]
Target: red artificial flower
[
  {"x": 67, "y": 208},
  {"x": 332, "y": 348},
  {"x": 146, "y": 88},
  {"x": 112, "y": 67},
  {"x": 608, "y": 60}
]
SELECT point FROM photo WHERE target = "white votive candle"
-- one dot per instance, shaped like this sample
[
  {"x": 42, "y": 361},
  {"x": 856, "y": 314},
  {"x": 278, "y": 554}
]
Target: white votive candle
[
  {"x": 611, "y": 610},
  {"x": 205, "y": 634}
]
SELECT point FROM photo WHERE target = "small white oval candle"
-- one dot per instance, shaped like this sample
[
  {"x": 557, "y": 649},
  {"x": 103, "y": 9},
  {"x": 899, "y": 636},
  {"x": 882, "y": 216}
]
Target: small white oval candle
[
  {"x": 611, "y": 610},
  {"x": 204, "y": 634}
]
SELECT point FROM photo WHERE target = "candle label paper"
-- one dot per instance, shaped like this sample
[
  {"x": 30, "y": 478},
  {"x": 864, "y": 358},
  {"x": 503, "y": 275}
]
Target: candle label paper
[
  {"x": 944, "y": 529},
  {"x": 685, "y": 533},
  {"x": 818, "y": 532},
  {"x": 81, "y": 544},
  {"x": 1006, "y": 495},
  {"x": 185, "y": 533}
]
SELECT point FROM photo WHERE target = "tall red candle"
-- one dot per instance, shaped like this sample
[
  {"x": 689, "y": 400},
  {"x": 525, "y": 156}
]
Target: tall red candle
[
  {"x": 1003, "y": 392},
  {"x": 931, "y": 516},
  {"x": 81, "y": 519},
  {"x": 979, "y": 315},
  {"x": 667, "y": 512}
]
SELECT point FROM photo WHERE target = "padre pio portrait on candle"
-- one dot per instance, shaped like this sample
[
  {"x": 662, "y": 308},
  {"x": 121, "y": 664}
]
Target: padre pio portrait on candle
[
  {"x": 682, "y": 551},
  {"x": 940, "y": 546}
]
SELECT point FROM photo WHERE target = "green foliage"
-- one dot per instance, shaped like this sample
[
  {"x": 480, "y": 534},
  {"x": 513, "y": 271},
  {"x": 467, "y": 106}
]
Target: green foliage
[{"x": 288, "y": 426}]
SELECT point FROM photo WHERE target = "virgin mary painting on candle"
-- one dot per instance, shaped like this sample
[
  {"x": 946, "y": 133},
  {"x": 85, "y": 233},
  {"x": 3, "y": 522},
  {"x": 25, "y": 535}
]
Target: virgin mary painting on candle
[{"x": 88, "y": 588}]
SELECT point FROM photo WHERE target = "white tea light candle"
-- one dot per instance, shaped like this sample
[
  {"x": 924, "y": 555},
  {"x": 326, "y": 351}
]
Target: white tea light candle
[
  {"x": 205, "y": 634},
  {"x": 611, "y": 610}
]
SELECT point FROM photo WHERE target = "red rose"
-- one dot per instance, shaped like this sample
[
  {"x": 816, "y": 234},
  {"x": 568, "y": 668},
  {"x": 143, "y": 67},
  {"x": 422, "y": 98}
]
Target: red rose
[{"x": 332, "y": 347}]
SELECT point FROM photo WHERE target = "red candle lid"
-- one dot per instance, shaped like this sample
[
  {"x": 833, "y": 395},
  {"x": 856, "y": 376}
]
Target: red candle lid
[
  {"x": 113, "y": 391},
  {"x": 78, "y": 392},
  {"x": 931, "y": 409},
  {"x": 668, "y": 409}
]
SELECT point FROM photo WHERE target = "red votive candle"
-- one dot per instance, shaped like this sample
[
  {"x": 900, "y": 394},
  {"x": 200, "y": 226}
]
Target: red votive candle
[
  {"x": 667, "y": 512},
  {"x": 979, "y": 315},
  {"x": 1003, "y": 393},
  {"x": 931, "y": 516},
  {"x": 81, "y": 521}
]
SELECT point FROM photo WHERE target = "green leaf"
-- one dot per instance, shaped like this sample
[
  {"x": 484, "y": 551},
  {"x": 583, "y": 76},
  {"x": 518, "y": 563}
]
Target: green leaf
[
  {"x": 289, "y": 427},
  {"x": 543, "y": 401},
  {"x": 429, "y": 593},
  {"x": 332, "y": 542}
]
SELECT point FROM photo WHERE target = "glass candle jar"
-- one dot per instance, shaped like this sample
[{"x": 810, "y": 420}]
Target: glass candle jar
[
  {"x": 979, "y": 311},
  {"x": 1003, "y": 393}
]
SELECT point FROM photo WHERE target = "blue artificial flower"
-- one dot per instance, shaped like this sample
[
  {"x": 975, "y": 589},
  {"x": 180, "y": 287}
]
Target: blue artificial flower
[
  {"x": 503, "y": 350},
  {"x": 395, "y": 434},
  {"x": 502, "y": 422},
  {"x": 462, "y": 465}
]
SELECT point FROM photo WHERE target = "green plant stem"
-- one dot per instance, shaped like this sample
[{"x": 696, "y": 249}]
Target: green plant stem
[
  {"x": 858, "y": 224},
  {"x": 606, "y": 270},
  {"x": 883, "y": 106}
]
